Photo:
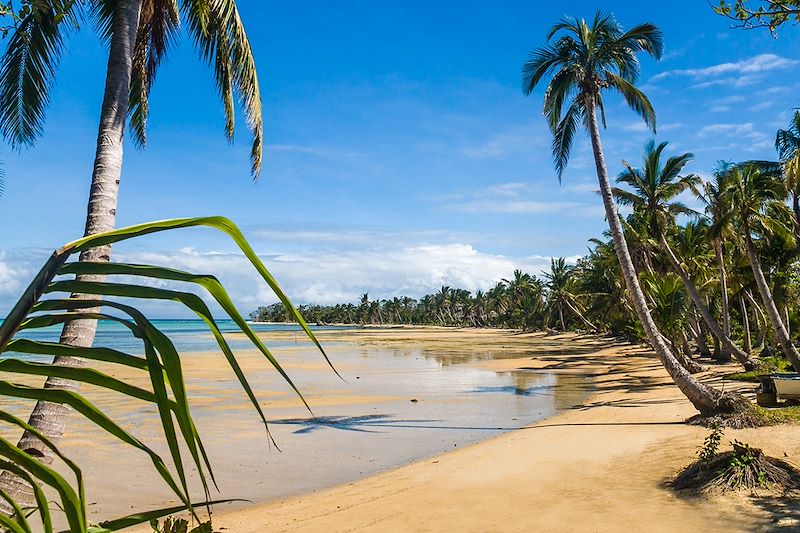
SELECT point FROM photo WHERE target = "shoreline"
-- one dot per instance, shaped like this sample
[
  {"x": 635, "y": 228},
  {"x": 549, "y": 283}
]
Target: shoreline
[{"x": 599, "y": 467}]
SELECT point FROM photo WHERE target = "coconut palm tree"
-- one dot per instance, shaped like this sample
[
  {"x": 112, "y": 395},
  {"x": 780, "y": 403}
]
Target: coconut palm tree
[
  {"x": 756, "y": 197},
  {"x": 139, "y": 34},
  {"x": 654, "y": 189},
  {"x": 787, "y": 143},
  {"x": 583, "y": 62},
  {"x": 718, "y": 215}
]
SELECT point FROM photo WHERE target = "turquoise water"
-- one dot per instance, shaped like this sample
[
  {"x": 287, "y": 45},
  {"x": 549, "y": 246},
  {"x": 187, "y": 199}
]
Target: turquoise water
[{"x": 188, "y": 335}]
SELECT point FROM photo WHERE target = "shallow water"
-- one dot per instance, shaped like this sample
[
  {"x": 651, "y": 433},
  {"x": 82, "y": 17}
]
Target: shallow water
[{"x": 396, "y": 404}]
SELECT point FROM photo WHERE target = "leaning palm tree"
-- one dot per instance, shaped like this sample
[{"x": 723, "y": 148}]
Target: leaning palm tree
[
  {"x": 653, "y": 191},
  {"x": 139, "y": 34},
  {"x": 757, "y": 198},
  {"x": 582, "y": 63}
]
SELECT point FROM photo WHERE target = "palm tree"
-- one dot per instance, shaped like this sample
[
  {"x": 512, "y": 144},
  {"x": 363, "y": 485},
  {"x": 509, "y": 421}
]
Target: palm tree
[
  {"x": 756, "y": 197},
  {"x": 787, "y": 143},
  {"x": 139, "y": 33},
  {"x": 718, "y": 214},
  {"x": 583, "y": 62},
  {"x": 654, "y": 189},
  {"x": 561, "y": 291}
]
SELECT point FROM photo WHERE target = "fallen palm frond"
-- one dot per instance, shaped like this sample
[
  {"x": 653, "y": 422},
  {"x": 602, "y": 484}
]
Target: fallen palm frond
[{"x": 47, "y": 302}]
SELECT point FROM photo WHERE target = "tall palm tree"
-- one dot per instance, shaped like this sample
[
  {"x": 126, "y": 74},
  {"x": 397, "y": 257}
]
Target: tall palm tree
[
  {"x": 584, "y": 61},
  {"x": 787, "y": 143},
  {"x": 756, "y": 196},
  {"x": 654, "y": 189},
  {"x": 139, "y": 34},
  {"x": 718, "y": 214}
]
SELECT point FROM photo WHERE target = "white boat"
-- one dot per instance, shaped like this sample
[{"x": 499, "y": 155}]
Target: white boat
[{"x": 787, "y": 386}]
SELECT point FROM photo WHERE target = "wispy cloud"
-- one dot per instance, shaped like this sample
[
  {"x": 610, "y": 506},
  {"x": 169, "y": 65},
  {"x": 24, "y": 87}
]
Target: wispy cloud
[
  {"x": 754, "y": 65},
  {"x": 502, "y": 144}
]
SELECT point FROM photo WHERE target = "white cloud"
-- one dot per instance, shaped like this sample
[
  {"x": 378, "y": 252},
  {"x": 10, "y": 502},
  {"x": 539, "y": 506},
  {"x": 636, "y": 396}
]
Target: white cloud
[
  {"x": 754, "y": 65},
  {"x": 12, "y": 277},
  {"x": 341, "y": 276}
]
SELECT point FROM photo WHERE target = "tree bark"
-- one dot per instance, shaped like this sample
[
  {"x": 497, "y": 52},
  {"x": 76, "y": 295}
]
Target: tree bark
[
  {"x": 706, "y": 399},
  {"x": 723, "y": 279},
  {"x": 728, "y": 345},
  {"x": 745, "y": 324},
  {"x": 781, "y": 335},
  {"x": 700, "y": 337},
  {"x": 51, "y": 418}
]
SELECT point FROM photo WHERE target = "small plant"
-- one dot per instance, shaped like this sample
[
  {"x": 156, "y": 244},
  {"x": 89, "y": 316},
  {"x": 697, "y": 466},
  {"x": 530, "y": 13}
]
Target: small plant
[
  {"x": 742, "y": 468},
  {"x": 708, "y": 451},
  {"x": 179, "y": 525}
]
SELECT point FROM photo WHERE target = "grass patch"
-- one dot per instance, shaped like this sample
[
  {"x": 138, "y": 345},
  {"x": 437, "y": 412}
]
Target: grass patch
[
  {"x": 767, "y": 366},
  {"x": 778, "y": 415}
]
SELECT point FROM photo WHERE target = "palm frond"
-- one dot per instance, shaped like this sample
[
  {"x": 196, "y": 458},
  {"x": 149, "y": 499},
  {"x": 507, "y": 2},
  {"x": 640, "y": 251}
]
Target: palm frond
[
  {"x": 42, "y": 305},
  {"x": 28, "y": 67},
  {"x": 221, "y": 39},
  {"x": 158, "y": 25},
  {"x": 635, "y": 99},
  {"x": 564, "y": 135}
]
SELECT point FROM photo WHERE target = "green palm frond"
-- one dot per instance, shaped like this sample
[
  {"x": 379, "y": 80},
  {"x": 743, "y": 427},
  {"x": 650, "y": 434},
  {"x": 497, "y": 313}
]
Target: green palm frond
[
  {"x": 635, "y": 99},
  {"x": 28, "y": 67},
  {"x": 47, "y": 302},
  {"x": 158, "y": 25},
  {"x": 220, "y": 37},
  {"x": 584, "y": 60}
]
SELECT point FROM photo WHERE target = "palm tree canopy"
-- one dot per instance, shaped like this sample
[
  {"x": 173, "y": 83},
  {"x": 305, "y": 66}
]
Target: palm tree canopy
[
  {"x": 654, "y": 187},
  {"x": 787, "y": 144},
  {"x": 757, "y": 196},
  {"x": 29, "y": 64},
  {"x": 583, "y": 61}
]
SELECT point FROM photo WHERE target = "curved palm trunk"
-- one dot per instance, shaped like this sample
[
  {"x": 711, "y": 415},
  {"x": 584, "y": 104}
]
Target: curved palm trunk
[
  {"x": 781, "y": 334},
  {"x": 580, "y": 316},
  {"x": 561, "y": 316},
  {"x": 745, "y": 324},
  {"x": 705, "y": 399},
  {"x": 51, "y": 418},
  {"x": 723, "y": 279},
  {"x": 743, "y": 357}
]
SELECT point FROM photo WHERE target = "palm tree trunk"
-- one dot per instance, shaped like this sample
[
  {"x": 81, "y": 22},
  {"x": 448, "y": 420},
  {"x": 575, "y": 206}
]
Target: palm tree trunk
[
  {"x": 561, "y": 315},
  {"x": 723, "y": 279},
  {"x": 781, "y": 335},
  {"x": 745, "y": 324},
  {"x": 580, "y": 315},
  {"x": 743, "y": 357},
  {"x": 51, "y": 418},
  {"x": 699, "y": 337},
  {"x": 706, "y": 399}
]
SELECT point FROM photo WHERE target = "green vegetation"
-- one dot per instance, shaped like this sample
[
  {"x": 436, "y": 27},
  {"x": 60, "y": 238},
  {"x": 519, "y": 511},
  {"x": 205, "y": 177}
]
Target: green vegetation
[
  {"x": 770, "y": 14},
  {"x": 49, "y": 302},
  {"x": 743, "y": 468},
  {"x": 767, "y": 366}
]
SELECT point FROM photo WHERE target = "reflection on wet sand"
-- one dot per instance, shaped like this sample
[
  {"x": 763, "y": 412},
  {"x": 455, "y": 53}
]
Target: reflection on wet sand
[{"x": 401, "y": 399}]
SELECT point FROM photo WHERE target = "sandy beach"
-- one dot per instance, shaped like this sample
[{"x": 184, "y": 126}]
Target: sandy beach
[{"x": 599, "y": 467}]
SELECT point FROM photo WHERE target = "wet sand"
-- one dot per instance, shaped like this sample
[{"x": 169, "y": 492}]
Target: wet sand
[
  {"x": 405, "y": 398},
  {"x": 600, "y": 467}
]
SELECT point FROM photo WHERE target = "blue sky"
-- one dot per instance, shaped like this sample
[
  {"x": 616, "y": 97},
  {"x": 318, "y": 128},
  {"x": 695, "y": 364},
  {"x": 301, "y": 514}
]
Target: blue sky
[{"x": 401, "y": 154}]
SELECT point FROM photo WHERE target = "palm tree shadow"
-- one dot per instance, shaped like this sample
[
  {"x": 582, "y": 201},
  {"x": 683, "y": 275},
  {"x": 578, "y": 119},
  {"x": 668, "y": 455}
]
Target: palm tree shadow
[
  {"x": 346, "y": 423},
  {"x": 784, "y": 512}
]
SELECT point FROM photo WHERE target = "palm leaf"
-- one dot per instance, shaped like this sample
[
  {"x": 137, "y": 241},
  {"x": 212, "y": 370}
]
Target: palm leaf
[{"x": 161, "y": 363}]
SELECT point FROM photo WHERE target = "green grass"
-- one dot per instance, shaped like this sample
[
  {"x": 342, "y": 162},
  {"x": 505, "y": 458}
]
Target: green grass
[
  {"x": 778, "y": 415},
  {"x": 768, "y": 365}
]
